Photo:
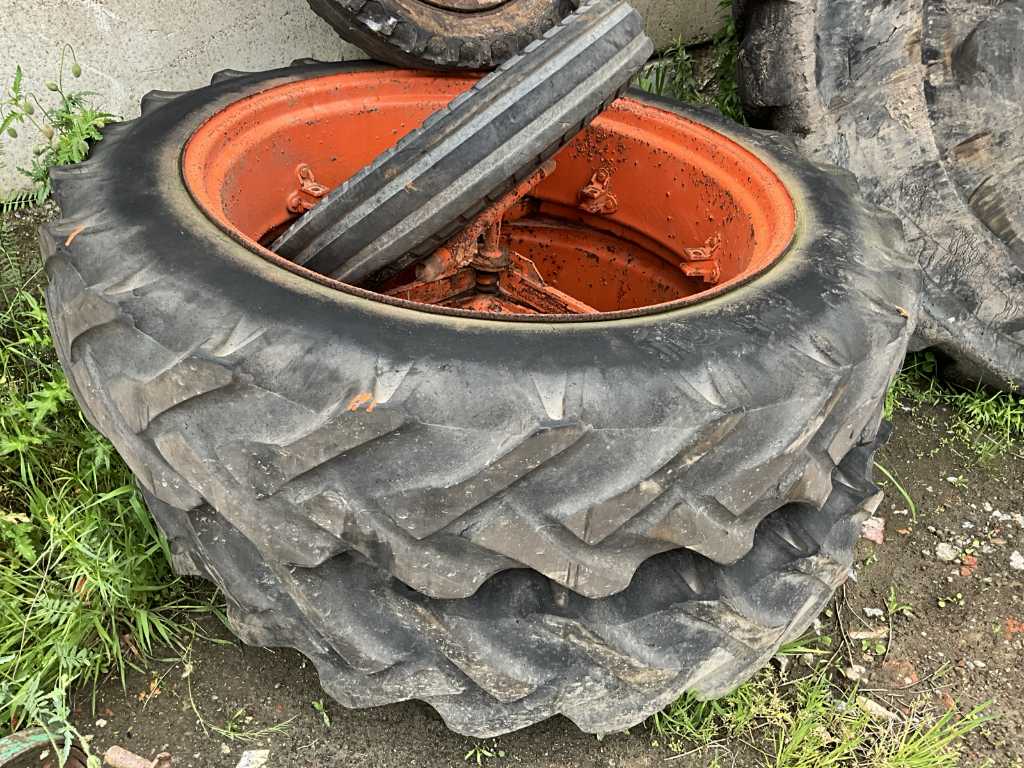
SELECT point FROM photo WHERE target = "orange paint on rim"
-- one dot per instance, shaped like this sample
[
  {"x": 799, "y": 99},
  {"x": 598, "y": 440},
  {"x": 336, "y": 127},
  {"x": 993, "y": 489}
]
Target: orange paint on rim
[{"x": 679, "y": 185}]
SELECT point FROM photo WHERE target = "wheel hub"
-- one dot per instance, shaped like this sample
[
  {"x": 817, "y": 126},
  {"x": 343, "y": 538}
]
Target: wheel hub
[{"x": 645, "y": 210}]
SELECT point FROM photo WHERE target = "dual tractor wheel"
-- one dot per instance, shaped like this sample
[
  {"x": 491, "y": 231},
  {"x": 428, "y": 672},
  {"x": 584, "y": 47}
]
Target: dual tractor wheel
[{"x": 613, "y": 445}]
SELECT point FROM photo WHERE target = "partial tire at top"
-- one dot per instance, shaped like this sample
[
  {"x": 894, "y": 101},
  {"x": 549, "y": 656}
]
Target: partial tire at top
[
  {"x": 415, "y": 196},
  {"x": 445, "y": 34},
  {"x": 445, "y": 446},
  {"x": 923, "y": 100}
]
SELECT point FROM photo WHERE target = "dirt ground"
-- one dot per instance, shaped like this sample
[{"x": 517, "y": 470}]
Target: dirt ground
[{"x": 964, "y": 644}]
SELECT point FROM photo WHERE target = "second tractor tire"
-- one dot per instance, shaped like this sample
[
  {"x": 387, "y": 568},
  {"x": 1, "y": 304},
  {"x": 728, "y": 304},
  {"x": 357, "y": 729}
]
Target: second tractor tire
[
  {"x": 923, "y": 100},
  {"x": 524, "y": 649}
]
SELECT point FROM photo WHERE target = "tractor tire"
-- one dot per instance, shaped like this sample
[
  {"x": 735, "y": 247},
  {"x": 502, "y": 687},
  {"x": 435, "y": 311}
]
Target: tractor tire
[
  {"x": 412, "y": 199},
  {"x": 523, "y": 649},
  {"x": 448, "y": 34},
  {"x": 319, "y": 420},
  {"x": 923, "y": 100}
]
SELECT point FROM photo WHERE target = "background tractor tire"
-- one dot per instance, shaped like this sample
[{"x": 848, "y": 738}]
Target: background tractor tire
[
  {"x": 413, "y": 198},
  {"x": 523, "y": 649},
  {"x": 320, "y": 421},
  {"x": 924, "y": 101},
  {"x": 450, "y": 34}
]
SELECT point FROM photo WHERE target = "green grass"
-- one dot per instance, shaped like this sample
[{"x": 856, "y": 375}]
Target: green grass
[
  {"x": 991, "y": 421},
  {"x": 83, "y": 572},
  {"x": 676, "y": 74},
  {"x": 810, "y": 723},
  {"x": 911, "y": 506}
]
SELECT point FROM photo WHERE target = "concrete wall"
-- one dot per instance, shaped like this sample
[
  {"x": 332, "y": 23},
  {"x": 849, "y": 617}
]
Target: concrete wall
[{"x": 129, "y": 47}]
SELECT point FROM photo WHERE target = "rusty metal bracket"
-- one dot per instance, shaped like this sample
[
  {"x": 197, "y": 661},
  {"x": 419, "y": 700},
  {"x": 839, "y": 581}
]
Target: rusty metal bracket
[
  {"x": 475, "y": 271},
  {"x": 597, "y": 197},
  {"x": 464, "y": 247},
  {"x": 703, "y": 262},
  {"x": 309, "y": 192}
]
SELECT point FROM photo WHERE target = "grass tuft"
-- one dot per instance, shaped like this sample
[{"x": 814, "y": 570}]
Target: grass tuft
[
  {"x": 991, "y": 421},
  {"x": 83, "y": 571},
  {"x": 710, "y": 83},
  {"x": 811, "y": 723}
]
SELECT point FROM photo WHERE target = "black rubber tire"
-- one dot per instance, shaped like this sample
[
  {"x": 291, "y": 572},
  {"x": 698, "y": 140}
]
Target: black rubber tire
[
  {"x": 414, "y": 33},
  {"x": 522, "y": 649},
  {"x": 224, "y": 379},
  {"x": 924, "y": 101},
  {"x": 413, "y": 198}
]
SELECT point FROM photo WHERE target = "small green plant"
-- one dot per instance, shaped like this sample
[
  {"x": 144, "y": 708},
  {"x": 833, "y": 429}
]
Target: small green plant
[
  {"x": 951, "y": 600},
  {"x": 17, "y": 201},
  {"x": 894, "y": 608},
  {"x": 66, "y": 129},
  {"x": 958, "y": 481},
  {"x": 873, "y": 647},
  {"x": 480, "y": 753},
  {"x": 321, "y": 709},
  {"x": 677, "y": 75},
  {"x": 911, "y": 506},
  {"x": 689, "y": 721}
]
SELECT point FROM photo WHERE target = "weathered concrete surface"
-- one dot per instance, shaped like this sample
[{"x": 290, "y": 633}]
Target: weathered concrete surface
[
  {"x": 688, "y": 20},
  {"x": 129, "y": 47}
]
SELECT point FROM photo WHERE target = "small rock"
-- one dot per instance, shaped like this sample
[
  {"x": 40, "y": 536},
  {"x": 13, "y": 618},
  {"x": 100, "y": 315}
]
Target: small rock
[
  {"x": 873, "y": 708},
  {"x": 875, "y": 633},
  {"x": 101, "y": 723},
  {"x": 855, "y": 672},
  {"x": 945, "y": 552},
  {"x": 1017, "y": 561},
  {"x": 969, "y": 563},
  {"x": 254, "y": 758},
  {"x": 225, "y": 749},
  {"x": 898, "y": 673},
  {"x": 874, "y": 613},
  {"x": 873, "y": 529}
]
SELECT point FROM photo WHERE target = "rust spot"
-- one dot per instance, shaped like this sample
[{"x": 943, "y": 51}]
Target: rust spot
[
  {"x": 363, "y": 398},
  {"x": 74, "y": 233}
]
